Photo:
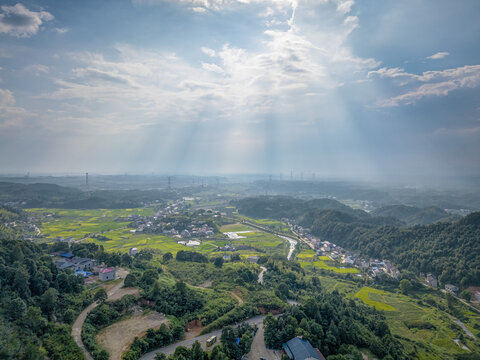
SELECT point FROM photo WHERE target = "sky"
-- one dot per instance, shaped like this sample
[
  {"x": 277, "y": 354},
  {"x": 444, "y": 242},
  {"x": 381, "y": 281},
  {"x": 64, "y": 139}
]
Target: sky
[{"x": 376, "y": 89}]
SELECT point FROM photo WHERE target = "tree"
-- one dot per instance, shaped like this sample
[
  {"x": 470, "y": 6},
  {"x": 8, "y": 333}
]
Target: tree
[
  {"x": 130, "y": 280},
  {"x": 405, "y": 286},
  {"x": 197, "y": 352},
  {"x": 34, "y": 320},
  {"x": 21, "y": 283},
  {"x": 467, "y": 295},
  {"x": 69, "y": 316},
  {"x": 16, "y": 308},
  {"x": 48, "y": 301},
  {"x": 149, "y": 277},
  {"x": 160, "y": 356},
  {"x": 167, "y": 257},
  {"x": 101, "y": 295},
  {"x": 218, "y": 262}
]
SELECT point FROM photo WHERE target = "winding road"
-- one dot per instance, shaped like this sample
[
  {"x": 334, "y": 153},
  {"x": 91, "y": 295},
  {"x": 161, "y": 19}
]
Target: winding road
[
  {"x": 170, "y": 349},
  {"x": 260, "y": 276},
  {"x": 113, "y": 294}
]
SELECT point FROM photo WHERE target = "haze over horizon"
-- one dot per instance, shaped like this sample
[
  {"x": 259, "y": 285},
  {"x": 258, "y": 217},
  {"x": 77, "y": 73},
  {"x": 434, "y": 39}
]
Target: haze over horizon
[{"x": 366, "y": 90}]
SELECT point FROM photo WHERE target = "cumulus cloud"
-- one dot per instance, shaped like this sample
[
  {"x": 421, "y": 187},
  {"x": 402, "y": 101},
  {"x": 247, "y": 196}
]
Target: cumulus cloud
[
  {"x": 435, "y": 83},
  {"x": 18, "y": 21},
  {"x": 438, "y": 55}
]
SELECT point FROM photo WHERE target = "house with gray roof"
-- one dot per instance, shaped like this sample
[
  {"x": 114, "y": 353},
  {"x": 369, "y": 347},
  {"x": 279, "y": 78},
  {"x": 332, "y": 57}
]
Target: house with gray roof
[{"x": 300, "y": 349}]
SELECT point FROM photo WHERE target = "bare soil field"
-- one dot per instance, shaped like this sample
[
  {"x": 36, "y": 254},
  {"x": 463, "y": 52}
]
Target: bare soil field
[{"x": 117, "y": 337}]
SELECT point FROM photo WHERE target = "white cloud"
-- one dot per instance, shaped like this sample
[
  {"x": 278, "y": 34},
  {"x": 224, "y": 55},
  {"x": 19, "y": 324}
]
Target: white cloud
[
  {"x": 37, "y": 68},
  {"x": 61, "y": 30},
  {"x": 10, "y": 115},
  {"x": 438, "y": 55},
  {"x": 345, "y": 6},
  {"x": 286, "y": 67},
  {"x": 208, "y": 51},
  {"x": 389, "y": 73},
  {"x": 436, "y": 83},
  {"x": 18, "y": 21}
]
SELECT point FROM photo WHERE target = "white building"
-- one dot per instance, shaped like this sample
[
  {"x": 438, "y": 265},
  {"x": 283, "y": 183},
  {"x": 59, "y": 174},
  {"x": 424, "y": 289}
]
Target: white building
[
  {"x": 133, "y": 251},
  {"x": 107, "y": 274}
]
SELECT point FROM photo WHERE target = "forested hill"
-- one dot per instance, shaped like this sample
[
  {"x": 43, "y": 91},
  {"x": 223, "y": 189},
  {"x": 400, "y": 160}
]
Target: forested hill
[
  {"x": 276, "y": 207},
  {"x": 448, "y": 250},
  {"x": 37, "y": 304},
  {"x": 411, "y": 215},
  {"x": 56, "y": 196}
]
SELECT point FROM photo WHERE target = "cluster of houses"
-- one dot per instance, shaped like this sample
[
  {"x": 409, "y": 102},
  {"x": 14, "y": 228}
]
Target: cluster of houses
[
  {"x": 164, "y": 222},
  {"x": 376, "y": 266},
  {"x": 83, "y": 266}
]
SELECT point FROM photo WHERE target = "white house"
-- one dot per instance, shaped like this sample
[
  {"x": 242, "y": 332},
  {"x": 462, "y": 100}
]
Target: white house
[
  {"x": 133, "y": 251},
  {"x": 107, "y": 274}
]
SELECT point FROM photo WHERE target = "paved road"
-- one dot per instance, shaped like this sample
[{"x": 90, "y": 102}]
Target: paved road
[
  {"x": 170, "y": 349},
  {"x": 292, "y": 242},
  {"x": 77, "y": 325}
]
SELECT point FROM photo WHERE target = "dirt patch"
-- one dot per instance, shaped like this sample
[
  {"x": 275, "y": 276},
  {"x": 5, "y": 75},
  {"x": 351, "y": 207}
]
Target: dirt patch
[
  {"x": 117, "y": 337},
  {"x": 193, "y": 329},
  {"x": 124, "y": 291}
]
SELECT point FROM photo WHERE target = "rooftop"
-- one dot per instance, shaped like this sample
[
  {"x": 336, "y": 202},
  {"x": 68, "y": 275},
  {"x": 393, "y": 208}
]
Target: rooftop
[
  {"x": 300, "y": 349},
  {"x": 107, "y": 270}
]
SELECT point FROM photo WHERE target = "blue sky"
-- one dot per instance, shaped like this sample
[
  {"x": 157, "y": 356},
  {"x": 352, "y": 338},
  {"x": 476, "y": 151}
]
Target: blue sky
[{"x": 373, "y": 89}]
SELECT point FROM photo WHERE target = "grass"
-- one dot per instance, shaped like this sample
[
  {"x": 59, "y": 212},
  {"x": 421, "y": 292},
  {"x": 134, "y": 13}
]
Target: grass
[
  {"x": 364, "y": 295},
  {"x": 306, "y": 254},
  {"x": 436, "y": 343},
  {"x": 320, "y": 264},
  {"x": 118, "y": 242}
]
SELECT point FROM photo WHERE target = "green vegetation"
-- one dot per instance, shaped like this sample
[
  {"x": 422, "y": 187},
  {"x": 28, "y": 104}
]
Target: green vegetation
[
  {"x": 328, "y": 320},
  {"x": 319, "y": 264},
  {"x": 38, "y": 303},
  {"x": 448, "y": 250},
  {"x": 365, "y": 295},
  {"x": 55, "y": 196}
]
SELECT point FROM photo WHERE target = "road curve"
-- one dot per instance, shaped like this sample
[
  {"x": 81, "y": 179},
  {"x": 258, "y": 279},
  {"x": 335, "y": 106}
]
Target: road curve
[
  {"x": 170, "y": 349},
  {"x": 77, "y": 325},
  {"x": 260, "y": 276}
]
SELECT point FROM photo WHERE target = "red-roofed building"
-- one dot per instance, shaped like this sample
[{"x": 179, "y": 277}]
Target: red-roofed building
[{"x": 107, "y": 274}]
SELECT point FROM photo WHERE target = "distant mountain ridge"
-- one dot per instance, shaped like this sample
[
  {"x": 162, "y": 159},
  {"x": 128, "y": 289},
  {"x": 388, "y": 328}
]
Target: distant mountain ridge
[
  {"x": 411, "y": 215},
  {"x": 56, "y": 196}
]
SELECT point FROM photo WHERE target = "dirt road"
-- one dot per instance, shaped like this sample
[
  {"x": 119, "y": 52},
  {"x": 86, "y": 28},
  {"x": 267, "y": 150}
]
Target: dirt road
[
  {"x": 238, "y": 298},
  {"x": 259, "y": 350},
  {"x": 113, "y": 294},
  {"x": 260, "y": 276}
]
